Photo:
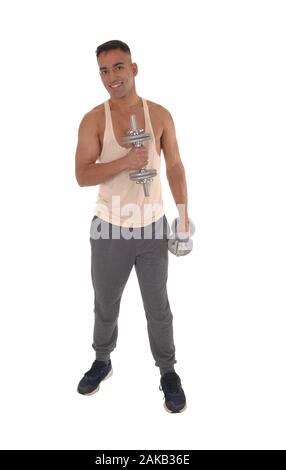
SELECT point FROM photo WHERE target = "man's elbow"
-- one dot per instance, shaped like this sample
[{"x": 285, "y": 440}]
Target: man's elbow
[
  {"x": 86, "y": 178},
  {"x": 80, "y": 179}
]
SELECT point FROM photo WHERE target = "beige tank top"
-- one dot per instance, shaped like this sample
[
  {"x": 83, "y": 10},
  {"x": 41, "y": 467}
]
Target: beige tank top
[{"x": 120, "y": 200}]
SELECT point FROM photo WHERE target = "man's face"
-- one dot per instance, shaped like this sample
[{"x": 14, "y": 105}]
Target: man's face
[{"x": 117, "y": 72}]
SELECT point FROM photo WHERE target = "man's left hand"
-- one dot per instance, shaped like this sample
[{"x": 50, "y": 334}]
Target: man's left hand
[{"x": 183, "y": 227}]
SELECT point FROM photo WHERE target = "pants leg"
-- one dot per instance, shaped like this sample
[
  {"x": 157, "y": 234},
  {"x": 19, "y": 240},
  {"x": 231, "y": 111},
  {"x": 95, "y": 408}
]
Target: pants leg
[
  {"x": 111, "y": 263},
  {"x": 151, "y": 265}
]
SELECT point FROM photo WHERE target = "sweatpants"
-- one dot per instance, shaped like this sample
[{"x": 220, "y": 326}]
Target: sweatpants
[{"x": 114, "y": 252}]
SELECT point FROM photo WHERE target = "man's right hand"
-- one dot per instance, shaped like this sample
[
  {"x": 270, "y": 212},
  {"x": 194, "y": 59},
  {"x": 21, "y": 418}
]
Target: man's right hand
[{"x": 137, "y": 158}]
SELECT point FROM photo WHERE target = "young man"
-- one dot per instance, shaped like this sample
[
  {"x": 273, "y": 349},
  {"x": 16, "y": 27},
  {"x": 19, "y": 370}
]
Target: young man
[{"x": 102, "y": 158}]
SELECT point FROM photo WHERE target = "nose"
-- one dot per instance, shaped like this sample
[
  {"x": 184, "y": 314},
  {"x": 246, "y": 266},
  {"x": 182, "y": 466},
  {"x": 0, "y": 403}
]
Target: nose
[{"x": 113, "y": 76}]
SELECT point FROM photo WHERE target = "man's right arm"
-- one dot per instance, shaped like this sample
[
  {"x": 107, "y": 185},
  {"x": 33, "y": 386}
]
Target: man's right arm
[
  {"x": 87, "y": 171},
  {"x": 90, "y": 173}
]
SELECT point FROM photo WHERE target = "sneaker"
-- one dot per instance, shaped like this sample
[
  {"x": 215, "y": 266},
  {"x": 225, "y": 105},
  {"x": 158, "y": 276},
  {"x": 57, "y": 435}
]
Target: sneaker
[
  {"x": 175, "y": 400},
  {"x": 98, "y": 372}
]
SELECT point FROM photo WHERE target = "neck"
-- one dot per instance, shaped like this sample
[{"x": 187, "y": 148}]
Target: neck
[{"x": 125, "y": 102}]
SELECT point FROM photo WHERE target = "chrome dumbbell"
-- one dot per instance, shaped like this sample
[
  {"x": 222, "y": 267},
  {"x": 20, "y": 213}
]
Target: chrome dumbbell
[
  {"x": 181, "y": 244},
  {"x": 137, "y": 137}
]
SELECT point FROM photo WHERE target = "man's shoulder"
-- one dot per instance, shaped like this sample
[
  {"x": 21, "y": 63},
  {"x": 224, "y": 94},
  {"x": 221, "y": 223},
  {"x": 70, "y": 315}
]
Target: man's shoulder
[
  {"x": 96, "y": 111},
  {"x": 156, "y": 106},
  {"x": 158, "y": 109},
  {"x": 94, "y": 116}
]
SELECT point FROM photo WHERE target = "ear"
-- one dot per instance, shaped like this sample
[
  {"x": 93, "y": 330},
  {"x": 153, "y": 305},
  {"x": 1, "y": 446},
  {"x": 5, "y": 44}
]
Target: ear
[{"x": 134, "y": 69}]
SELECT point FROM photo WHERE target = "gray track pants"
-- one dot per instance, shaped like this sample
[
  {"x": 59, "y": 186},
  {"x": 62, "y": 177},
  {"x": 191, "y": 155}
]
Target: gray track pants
[{"x": 112, "y": 259}]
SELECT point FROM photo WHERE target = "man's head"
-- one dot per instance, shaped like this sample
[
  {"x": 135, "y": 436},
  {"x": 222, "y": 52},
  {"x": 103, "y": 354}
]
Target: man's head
[{"x": 116, "y": 68}]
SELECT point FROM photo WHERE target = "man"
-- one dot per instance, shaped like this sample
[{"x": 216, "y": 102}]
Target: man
[{"x": 130, "y": 240}]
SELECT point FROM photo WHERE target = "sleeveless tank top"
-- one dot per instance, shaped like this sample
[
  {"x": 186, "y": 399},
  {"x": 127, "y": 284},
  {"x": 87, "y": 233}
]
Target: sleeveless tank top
[{"x": 120, "y": 200}]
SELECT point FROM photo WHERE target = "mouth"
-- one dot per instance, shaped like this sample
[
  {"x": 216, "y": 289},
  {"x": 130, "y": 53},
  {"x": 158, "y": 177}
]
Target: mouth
[{"x": 116, "y": 85}]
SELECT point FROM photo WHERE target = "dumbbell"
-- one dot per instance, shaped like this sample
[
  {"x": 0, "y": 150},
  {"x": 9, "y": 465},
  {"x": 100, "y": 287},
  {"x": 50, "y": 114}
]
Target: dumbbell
[
  {"x": 136, "y": 137},
  {"x": 180, "y": 244}
]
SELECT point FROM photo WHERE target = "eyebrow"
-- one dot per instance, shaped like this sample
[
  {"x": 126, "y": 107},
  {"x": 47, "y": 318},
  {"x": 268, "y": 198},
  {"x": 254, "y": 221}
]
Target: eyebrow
[{"x": 114, "y": 65}]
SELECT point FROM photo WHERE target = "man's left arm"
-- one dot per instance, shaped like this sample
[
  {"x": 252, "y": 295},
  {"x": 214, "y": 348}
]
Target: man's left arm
[{"x": 175, "y": 170}]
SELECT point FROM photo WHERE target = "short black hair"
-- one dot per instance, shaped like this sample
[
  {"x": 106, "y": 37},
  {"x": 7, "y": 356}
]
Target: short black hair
[{"x": 114, "y": 44}]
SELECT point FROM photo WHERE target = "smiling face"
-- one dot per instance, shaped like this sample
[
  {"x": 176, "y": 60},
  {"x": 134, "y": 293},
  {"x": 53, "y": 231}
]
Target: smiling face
[{"x": 117, "y": 72}]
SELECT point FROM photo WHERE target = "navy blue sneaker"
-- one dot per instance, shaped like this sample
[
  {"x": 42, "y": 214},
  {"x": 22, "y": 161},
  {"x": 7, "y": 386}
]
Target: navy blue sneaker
[
  {"x": 175, "y": 400},
  {"x": 98, "y": 372}
]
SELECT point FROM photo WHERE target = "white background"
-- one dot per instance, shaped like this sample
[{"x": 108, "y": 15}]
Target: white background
[{"x": 219, "y": 67}]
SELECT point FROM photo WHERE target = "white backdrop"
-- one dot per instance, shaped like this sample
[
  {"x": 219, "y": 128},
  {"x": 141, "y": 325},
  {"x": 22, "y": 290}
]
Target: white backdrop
[{"x": 219, "y": 67}]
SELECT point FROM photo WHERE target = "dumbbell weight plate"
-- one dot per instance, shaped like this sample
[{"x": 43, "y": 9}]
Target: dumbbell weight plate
[
  {"x": 142, "y": 174},
  {"x": 181, "y": 245},
  {"x": 132, "y": 139}
]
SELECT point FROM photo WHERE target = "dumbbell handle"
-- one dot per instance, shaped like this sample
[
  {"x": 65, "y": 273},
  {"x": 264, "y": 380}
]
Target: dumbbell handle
[
  {"x": 134, "y": 128},
  {"x": 136, "y": 137},
  {"x": 133, "y": 122},
  {"x": 146, "y": 188}
]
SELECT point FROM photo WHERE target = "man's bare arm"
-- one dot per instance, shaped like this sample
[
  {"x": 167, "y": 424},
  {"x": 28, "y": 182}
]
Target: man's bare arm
[
  {"x": 90, "y": 173},
  {"x": 87, "y": 171},
  {"x": 175, "y": 169}
]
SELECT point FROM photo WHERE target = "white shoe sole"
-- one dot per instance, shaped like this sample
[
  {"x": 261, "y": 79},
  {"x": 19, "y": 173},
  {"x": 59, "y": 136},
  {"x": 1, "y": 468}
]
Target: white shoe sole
[{"x": 96, "y": 390}]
